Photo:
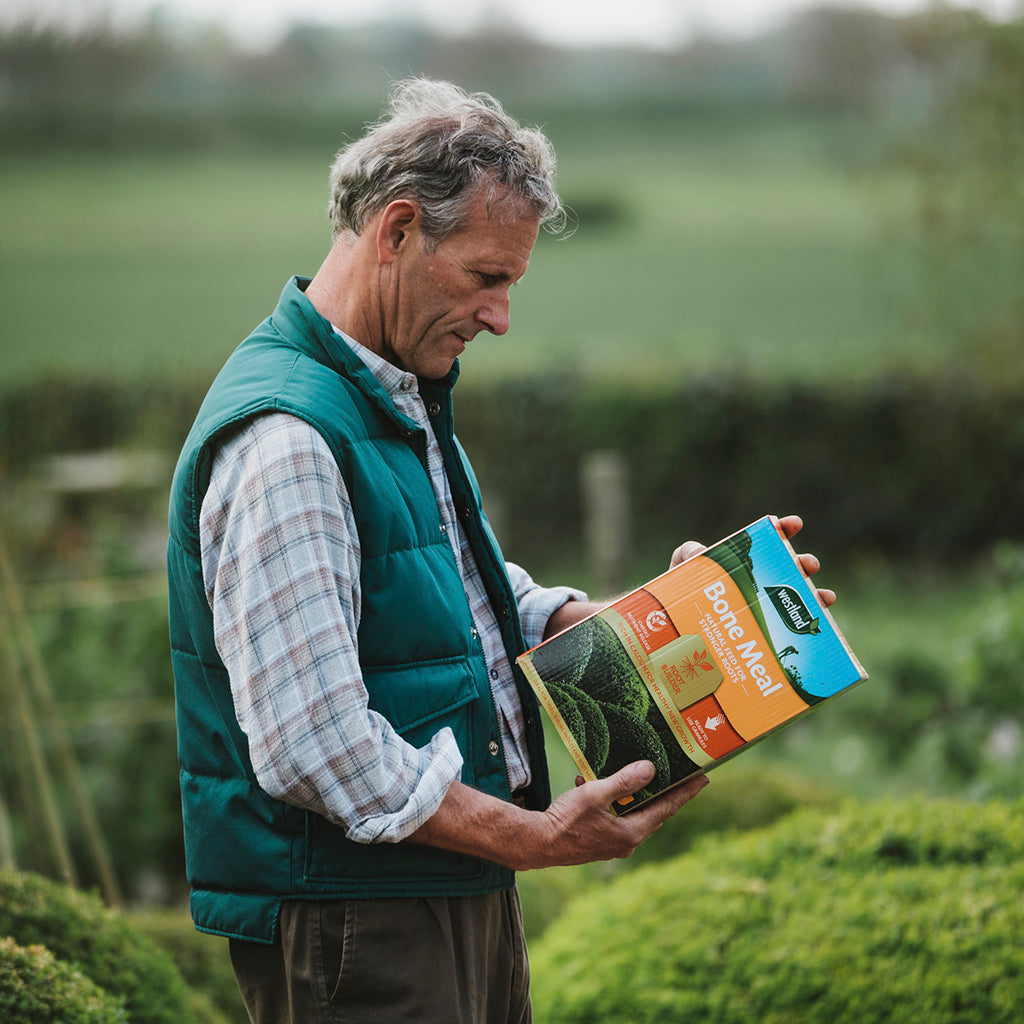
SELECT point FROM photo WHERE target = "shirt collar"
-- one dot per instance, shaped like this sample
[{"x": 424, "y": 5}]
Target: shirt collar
[{"x": 391, "y": 378}]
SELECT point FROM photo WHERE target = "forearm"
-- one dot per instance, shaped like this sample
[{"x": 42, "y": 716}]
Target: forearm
[
  {"x": 577, "y": 828},
  {"x": 569, "y": 614},
  {"x": 537, "y": 603},
  {"x": 474, "y": 823}
]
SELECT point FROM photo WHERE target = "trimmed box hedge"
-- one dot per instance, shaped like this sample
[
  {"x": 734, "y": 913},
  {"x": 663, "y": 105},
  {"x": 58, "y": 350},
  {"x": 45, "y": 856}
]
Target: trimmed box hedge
[
  {"x": 100, "y": 943},
  {"x": 906, "y": 912},
  {"x": 37, "y": 988}
]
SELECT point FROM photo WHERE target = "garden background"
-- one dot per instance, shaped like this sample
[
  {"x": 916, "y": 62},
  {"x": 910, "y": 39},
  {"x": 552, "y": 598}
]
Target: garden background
[{"x": 793, "y": 286}]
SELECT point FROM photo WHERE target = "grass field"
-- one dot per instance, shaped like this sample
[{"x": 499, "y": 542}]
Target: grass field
[{"x": 750, "y": 250}]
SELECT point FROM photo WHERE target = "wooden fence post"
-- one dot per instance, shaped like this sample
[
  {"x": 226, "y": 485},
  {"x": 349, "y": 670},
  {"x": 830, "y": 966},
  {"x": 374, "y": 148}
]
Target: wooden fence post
[
  {"x": 606, "y": 510},
  {"x": 7, "y": 858}
]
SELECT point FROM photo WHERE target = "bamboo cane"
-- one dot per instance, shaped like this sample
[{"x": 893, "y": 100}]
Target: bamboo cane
[
  {"x": 40, "y": 680},
  {"x": 40, "y": 773}
]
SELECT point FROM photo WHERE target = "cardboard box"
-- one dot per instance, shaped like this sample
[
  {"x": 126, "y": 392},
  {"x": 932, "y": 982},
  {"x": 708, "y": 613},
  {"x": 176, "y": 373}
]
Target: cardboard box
[{"x": 695, "y": 666}]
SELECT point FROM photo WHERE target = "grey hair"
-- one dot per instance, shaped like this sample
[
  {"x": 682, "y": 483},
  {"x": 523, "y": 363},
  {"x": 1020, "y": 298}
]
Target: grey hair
[{"x": 436, "y": 145}]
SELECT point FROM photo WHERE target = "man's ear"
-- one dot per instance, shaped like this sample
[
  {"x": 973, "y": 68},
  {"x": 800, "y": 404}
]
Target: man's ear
[{"x": 398, "y": 223}]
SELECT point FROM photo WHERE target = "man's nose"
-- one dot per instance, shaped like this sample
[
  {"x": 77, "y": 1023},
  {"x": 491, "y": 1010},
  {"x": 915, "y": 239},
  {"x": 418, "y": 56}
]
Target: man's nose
[{"x": 493, "y": 313}]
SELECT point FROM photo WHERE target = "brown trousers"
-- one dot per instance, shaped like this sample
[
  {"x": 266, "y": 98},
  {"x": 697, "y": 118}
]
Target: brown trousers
[{"x": 424, "y": 961}]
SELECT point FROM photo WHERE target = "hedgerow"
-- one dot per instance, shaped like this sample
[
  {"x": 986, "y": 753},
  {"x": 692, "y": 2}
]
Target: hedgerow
[
  {"x": 685, "y": 458},
  {"x": 909, "y": 913}
]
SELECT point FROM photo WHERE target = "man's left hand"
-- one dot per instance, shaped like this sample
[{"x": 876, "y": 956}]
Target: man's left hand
[{"x": 790, "y": 526}]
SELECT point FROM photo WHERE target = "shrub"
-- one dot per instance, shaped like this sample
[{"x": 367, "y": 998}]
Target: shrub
[
  {"x": 908, "y": 912},
  {"x": 203, "y": 959},
  {"x": 36, "y": 988},
  {"x": 78, "y": 929}
]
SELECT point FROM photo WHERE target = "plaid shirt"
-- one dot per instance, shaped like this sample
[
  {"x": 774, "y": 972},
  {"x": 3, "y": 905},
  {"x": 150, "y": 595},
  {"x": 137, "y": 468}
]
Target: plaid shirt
[{"x": 281, "y": 562}]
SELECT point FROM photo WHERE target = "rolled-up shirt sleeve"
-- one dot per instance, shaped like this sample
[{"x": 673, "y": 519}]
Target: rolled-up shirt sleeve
[
  {"x": 281, "y": 561},
  {"x": 536, "y": 603}
]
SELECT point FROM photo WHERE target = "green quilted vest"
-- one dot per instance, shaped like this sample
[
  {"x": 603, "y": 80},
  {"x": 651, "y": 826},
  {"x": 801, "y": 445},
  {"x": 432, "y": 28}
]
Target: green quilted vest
[{"x": 419, "y": 654}]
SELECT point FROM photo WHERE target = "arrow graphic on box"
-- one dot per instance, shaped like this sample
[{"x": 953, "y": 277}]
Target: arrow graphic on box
[{"x": 714, "y": 723}]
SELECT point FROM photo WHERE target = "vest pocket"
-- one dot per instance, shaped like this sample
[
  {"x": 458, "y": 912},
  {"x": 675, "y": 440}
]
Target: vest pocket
[
  {"x": 420, "y": 699},
  {"x": 389, "y": 869}
]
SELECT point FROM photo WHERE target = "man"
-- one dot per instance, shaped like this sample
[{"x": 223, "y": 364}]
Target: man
[{"x": 362, "y": 764}]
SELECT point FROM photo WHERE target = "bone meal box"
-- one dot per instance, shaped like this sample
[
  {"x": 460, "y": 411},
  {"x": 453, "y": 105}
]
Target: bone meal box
[{"x": 693, "y": 667}]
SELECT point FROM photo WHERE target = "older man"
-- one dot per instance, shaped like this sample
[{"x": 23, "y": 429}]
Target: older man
[{"x": 362, "y": 764}]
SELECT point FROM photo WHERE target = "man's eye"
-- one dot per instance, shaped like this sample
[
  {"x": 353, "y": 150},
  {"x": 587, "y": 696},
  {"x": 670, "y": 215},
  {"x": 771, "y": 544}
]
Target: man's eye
[{"x": 489, "y": 280}]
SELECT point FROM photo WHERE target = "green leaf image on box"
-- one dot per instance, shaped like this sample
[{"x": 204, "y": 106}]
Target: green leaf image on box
[
  {"x": 586, "y": 721},
  {"x": 686, "y": 669},
  {"x": 606, "y": 704}
]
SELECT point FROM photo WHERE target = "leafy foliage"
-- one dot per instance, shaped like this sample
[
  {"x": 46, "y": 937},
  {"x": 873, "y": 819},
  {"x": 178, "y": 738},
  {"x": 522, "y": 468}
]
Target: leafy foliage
[
  {"x": 113, "y": 656},
  {"x": 962, "y": 702},
  {"x": 968, "y": 165},
  {"x": 901, "y": 912},
  {"x": 36, "y": 988}
]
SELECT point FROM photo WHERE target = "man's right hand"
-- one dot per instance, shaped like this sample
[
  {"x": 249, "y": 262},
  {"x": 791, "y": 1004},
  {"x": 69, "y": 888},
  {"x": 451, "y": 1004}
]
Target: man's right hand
[
  {"x": 584, "y": 829},
  {"x": 577, "y": 828}
]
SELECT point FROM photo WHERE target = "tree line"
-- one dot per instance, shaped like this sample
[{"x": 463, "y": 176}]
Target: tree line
[{"x": 171, "y": 84}]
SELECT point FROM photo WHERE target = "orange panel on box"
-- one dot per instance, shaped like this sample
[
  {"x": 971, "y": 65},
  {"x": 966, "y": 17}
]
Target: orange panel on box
[
  {"x": 647, "y": 618},
  {"x": 758, "y": 697},
  {"x": 680, "y": 589},
  {"x": 711, "y": 729}
]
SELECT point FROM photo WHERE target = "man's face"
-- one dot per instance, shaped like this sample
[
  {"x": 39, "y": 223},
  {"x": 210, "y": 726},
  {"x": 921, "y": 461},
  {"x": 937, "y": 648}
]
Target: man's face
[{"x": 440, "y": 297}]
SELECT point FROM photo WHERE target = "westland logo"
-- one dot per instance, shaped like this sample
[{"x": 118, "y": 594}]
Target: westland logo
[
  {"x": 656, "y": 620},
  {"x": 795, "y": 615}
]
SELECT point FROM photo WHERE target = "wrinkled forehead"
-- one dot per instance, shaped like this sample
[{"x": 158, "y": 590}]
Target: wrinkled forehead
[
  {"x": 497, "y": 205},
  {"x": 503, "y": 226}
]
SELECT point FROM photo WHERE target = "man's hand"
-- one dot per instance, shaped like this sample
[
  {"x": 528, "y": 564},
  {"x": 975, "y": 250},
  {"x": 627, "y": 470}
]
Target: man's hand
[
  {"x": 573, "y": 611},
  {"x": 583, "y": 829},
  {"x": 791, "y": 526},
  {"x": 577, "y": 828}
]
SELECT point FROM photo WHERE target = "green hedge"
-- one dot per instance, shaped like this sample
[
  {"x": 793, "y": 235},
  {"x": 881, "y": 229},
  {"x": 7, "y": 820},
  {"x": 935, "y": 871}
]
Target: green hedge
[
  {"x": 78, "y": 929},
  {"x": 36, "y": 988},
  {"x": 909, "y": 912},
  {"x": 887, "y": 467}
]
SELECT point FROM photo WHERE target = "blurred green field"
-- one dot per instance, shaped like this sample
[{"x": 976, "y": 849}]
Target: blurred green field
[{"x": 750, "y": 249}]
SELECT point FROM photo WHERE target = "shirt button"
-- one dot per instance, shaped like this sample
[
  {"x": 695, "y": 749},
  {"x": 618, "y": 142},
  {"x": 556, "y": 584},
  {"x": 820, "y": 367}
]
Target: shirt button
[
  {"x": 406, "y": 384},
  {"x": 494, "y": 748},
  {"x": 444, "y": 529},
  {"x": 494, "y": 673},
  {"x": 474, "y": 632},
  {"x": 434, "y": 408}
]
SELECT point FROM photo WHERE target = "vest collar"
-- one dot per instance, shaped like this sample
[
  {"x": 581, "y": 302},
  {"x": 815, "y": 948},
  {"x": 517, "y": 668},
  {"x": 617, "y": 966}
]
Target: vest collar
[
  {"x": 297, "y": 319},
  {"x": 314, "y": 335}
]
